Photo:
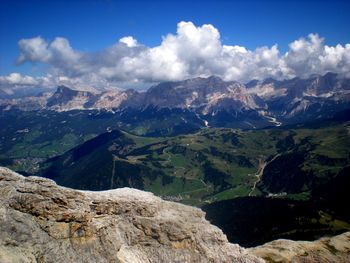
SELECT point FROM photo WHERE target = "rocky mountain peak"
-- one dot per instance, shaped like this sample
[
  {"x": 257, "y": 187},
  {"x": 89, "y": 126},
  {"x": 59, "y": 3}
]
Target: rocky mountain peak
[
  {"x": 205, "y": 94},
  {"x": 322, "y": 84},
  {"x": 69, "y": 92},
  {"x": 214, "y": 80},
  {"x": 66, "y": 98},
  {"x": 63, "y": 89}
]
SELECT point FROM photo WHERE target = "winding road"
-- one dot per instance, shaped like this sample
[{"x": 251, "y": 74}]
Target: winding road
[{"x": 260, "y": 171}]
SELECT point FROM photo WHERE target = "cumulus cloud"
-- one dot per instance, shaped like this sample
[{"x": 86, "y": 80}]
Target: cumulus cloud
[
  {"x": 192, "y": 51},
  {"x": 129, "y": 41},
  {"x": 58, "y": 54},
  {"x": 311, "y": 55},
  {"x": 18, "y": 79},
  {"x": 33, "y": 50}
]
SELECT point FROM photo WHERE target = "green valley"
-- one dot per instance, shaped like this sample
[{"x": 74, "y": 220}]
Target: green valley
[{"x": 210, "y": 165}]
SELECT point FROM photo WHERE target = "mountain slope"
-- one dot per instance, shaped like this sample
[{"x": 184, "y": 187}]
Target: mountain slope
[
  {"x": 92, "y": 164},
  {"x": 28, "y": 137},
  {"x": 213, "y": 164}
]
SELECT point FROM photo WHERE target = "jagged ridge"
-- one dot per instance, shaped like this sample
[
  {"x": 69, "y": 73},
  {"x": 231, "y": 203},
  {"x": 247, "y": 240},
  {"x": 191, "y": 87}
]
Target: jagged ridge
[{"x": 213, "y": 101}]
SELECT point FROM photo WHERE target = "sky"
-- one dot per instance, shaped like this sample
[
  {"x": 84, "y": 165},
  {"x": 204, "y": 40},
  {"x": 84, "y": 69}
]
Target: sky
[{"x": 124, "y": 43}]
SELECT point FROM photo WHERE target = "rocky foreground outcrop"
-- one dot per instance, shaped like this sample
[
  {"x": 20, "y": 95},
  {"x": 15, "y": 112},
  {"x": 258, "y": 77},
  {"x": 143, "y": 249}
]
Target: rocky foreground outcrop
[
  {"x": 334, "y": 249},
  {"x": 43, "y": 222}
]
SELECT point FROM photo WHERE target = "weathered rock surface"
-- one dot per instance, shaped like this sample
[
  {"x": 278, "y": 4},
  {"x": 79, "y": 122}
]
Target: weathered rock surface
[
  {"x": 334, "y": 249},
  {"x": 43, "y": 222}
]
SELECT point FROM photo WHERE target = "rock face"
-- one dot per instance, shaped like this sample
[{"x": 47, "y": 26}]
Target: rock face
[
  {"x": 43, "y": 222},
  {"x": 202, "y": 95},
  {"x": 335, "y": 249},
  {"x": 66, "y": 98},
  {"x": 270, "y": 98}
]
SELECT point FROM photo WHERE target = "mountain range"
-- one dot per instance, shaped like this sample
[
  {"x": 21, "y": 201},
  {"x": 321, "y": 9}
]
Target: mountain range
[{"x": 211, "y": 100}]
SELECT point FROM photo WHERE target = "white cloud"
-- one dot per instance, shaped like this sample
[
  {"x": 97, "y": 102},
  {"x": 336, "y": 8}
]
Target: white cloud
[
  {"x": 33, "y": 50},
  {"x": 311, "y": 55},
  {"x": 129, "y": 41},
  {"x": 192, "y": 51},
  {"x": 18, "y": 79}
]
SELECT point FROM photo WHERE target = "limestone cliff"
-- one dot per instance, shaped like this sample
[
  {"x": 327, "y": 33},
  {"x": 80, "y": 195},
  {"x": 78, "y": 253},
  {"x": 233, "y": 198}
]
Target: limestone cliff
[
  {"x": 43, "y": 222},
  {"x": 334, "y": 249}
]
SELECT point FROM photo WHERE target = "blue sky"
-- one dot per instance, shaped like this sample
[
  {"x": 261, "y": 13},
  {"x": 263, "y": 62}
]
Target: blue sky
[{"x": 94, "y": 25}]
